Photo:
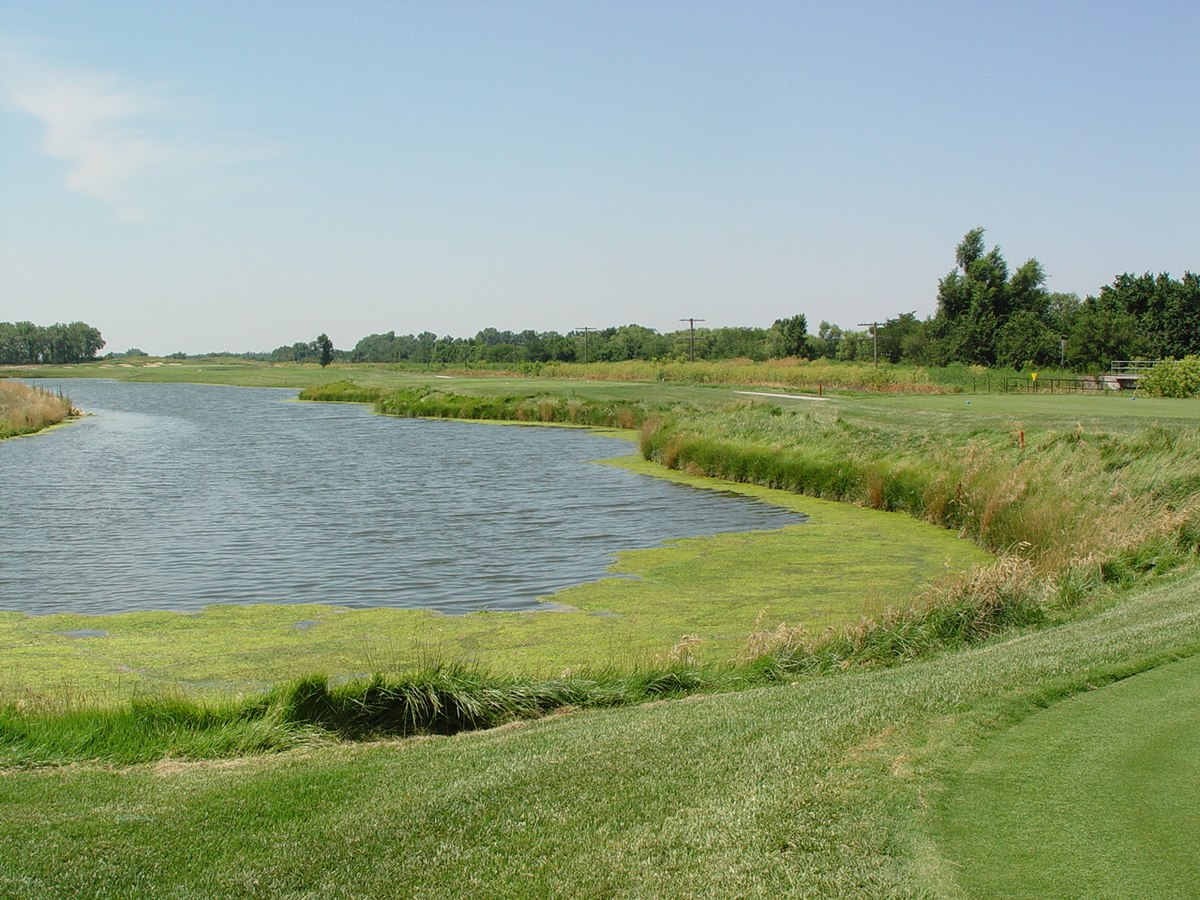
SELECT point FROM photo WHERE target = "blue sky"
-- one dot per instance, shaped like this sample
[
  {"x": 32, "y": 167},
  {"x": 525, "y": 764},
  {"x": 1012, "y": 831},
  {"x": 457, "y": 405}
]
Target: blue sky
[{"x": 238, "y": 175}]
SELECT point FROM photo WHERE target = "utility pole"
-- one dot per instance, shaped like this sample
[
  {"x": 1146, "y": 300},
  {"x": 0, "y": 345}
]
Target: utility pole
[
  {"x": 692, "y": 340},
  {"x": 585, "y": 329},
  {"x": 874, "y": 337}
]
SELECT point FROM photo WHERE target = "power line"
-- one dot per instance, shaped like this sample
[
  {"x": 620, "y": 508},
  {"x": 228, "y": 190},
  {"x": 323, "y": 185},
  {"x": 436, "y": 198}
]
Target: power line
[
  {"x": 585, "y": 329},
  {"x": 874, "y": 337},
  {"x": 692, "y": 341}
]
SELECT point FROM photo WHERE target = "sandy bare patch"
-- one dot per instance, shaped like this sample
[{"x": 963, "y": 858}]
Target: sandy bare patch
[{"x": 781, "y": 396}]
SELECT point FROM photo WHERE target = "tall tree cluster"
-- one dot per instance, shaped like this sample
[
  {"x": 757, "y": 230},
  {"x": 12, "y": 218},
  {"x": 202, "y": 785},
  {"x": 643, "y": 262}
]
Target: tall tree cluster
[
  {"x": 986, "y": 315},
  {"x": 1138, "y": 317},
  {"x": 26, "y": 344}
]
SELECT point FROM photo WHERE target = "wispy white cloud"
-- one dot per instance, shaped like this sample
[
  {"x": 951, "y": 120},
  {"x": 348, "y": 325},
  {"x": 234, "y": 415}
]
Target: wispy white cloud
[{"x": 121, "y": 141}]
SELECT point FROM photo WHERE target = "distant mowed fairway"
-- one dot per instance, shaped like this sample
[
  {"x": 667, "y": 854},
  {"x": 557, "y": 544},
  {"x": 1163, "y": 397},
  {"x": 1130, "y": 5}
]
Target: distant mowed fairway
[{"x": 1097, "y": 796}]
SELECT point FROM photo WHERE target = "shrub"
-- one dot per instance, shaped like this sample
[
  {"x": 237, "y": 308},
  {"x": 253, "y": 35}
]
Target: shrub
[{"x": 1173, "y": 378}]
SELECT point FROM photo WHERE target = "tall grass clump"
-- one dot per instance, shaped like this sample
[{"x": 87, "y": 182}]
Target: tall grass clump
[
  {"x": 790, "y": 373},
  {"x": 436, "y": 699},
  {"x": 141, "y": 729},
  {"x": 25, "y": 409},
  {"x": 342, "y": 392},
  {"x": 425, "y": 402},
  {"x": 453, "y": 698},
  {"x": 1061, "y": 498}
]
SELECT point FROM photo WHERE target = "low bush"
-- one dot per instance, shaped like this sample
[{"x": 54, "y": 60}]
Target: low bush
[{"x": 1173, "y": 378}]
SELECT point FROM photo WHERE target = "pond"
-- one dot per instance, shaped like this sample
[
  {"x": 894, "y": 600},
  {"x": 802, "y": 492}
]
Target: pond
[{"x": 176, "y": 496}]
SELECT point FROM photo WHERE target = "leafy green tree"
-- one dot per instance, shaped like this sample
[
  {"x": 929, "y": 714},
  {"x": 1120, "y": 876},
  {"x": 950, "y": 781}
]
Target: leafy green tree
[
  {"x": 1061, "y": 310},
  {"x": 1102, "y": 332},
  {"x": 738, "y": 343},
  {"x": 1027, "y": 290},
  {"x": 1026, "y": 339},
  {"x": 854, "y": 345},
  {"x": 633, "y": 342},
  {"x": 829, "y": 336},
  {"x": 969, "y": 249},
  {"x": 900, "y": 337},
  {"x": 1167, "y": 311},
  {"x": 976, "y": 300},
  {"x": 790, "y": 336},
  {"x": 324, "y": 346},
  {"x": 23, "y": 343}
]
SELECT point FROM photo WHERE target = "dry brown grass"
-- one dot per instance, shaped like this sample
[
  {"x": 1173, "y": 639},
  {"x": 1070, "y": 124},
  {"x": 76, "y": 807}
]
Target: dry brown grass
[{"x": 25, "y": 409}]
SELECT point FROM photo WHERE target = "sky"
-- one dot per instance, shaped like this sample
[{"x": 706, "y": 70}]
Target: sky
[{"x": 211, "y": 175}]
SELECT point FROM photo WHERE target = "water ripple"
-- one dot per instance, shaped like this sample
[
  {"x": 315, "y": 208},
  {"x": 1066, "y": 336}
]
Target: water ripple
[{"x": 177, "y": 496}]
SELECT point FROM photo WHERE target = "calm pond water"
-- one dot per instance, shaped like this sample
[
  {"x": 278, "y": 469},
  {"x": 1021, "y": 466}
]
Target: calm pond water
[{"x": 175, "y": 496}]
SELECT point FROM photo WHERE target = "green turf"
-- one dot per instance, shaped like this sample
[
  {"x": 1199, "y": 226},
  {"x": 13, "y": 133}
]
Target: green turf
[
  {"x": 1059, "y": 409},
  {"x": 811, "y": 790},
  {"x": 1098, "y": 796}
]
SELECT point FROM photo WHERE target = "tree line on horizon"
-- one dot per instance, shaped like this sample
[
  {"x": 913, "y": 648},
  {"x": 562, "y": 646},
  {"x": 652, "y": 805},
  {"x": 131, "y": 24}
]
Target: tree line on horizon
[
  {"x": 26, "y": 344},
  {"x": 986, "y": 315}
]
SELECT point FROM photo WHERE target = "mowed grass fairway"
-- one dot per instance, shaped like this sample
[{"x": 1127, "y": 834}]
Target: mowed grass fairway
[
  {"x": 1097, "y": 796},
  {"x": 893, "y": 770}
]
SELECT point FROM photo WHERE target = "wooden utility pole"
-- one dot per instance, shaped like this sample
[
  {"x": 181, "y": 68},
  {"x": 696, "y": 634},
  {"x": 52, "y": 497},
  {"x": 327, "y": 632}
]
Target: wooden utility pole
[
  {"x": 692, "y": 341},
  {"x": 874, "y": 338},
  {"x": 585, "y": 329}
]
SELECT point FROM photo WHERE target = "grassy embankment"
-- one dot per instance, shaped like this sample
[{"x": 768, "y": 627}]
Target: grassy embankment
[
  {"x": 813, "y": 789},
  {"x": 26, "y": 410}
]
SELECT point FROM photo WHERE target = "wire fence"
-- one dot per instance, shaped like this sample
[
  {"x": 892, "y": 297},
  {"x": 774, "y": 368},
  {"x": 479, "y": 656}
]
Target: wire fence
[{"x": 1091, "y": 385}]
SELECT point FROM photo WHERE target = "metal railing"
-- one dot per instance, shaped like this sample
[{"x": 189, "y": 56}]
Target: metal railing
[{"x": 1132, "y": 366}]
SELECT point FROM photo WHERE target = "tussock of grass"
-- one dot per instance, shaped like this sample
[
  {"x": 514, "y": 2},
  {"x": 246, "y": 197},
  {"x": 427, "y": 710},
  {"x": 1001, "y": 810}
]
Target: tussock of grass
[
  {"x": 537, "y": 407},
  {"x": 439, "y": 699},
  {"x": 25, "y": 410},
  {"x": 1062, "y": 499},
  {"x": 141, "y": 729}
]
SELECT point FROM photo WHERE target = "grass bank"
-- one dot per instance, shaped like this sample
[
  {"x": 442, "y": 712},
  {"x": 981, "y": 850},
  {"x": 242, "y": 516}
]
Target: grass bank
[
  {"x": 813, "y": 788},
  {"x": 540, "y": 407},
  {"x": 26, "y": 410},
  {"x": 840, "y": 565},
  {"x": 1058, "y": 498}
]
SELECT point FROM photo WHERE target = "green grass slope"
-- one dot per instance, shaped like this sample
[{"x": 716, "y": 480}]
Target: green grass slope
[
  {"x": 818, "y": 788},
  {"x": 1098, "y": 796}
]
